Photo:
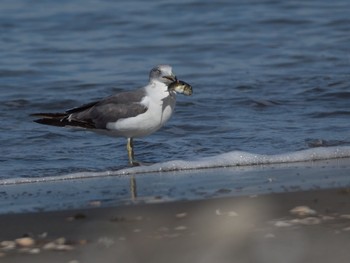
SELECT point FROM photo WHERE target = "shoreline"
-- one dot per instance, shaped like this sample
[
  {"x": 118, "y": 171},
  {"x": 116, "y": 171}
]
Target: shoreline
[{"x": 275, "y": 213}]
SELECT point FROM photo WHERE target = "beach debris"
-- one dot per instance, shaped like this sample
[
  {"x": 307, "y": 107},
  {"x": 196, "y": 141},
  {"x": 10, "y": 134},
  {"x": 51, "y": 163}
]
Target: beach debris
[
  {"x": 118, "y": 219},
  {"x": 49, "y": 246},
  {"x": 61, "y": 241},
  {"x": 218, "y": 212},
  {"x": 78, "y": 216},
  {"x": 34, "y": 251},
  {"x": 95, "y": 203},
  {"x": 33, "y": 246},
  {"x": 346, "y": 216},
  {"x": 43, "y": 235},
  {"x": 82, "y": 242},
  {"x": 302, "y": 211},
  {"x": 327, "y": 218},
  {"x": 228, "y": 213},
  {"x": 309, "y": 217},
  {"x": 60, "y": 244},
  {"x": 63, "y": 248},
  {"x": 180, "y": 228},
  {"x": 106, "y": 241},
  {"x": 166, "y": 236},
  {"x": 181, "y": 215},
  {"x": 346, "y": 228},
  {"x": 307, "y": 221},
  {"x": 7, "y": 245},
  {"x": 25, "y": 242},
  {"x": 168, "y": 233},
  {"x": 311, "y": 220},
  {"x": 283, "y": 223},
  {"x": 269, "y": 235},
  {"x": 232, "y": 213}
]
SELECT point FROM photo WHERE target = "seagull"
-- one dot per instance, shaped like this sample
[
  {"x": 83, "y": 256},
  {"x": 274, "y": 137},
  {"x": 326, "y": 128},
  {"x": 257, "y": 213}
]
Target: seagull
[{"x": 130, "y": 114}]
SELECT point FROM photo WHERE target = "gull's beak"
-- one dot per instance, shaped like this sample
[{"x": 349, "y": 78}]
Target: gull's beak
[{"x": 172, "y": 78}]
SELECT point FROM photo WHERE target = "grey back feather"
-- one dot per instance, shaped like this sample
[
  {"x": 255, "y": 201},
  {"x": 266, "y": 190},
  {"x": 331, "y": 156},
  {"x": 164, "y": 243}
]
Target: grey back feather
[{"x": 110, "y": 109}]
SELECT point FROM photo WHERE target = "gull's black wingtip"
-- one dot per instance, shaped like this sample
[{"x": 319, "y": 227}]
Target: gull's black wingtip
[
  {"x": 49, "y": 115},
  {"x": 55, "y": 119},
  {"x": 61, "y": 120}
]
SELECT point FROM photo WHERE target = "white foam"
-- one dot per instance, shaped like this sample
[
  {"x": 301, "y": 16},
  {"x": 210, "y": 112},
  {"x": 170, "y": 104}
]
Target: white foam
[
  {"x": 239, "y": 158},
  {"x": 230, "y": 159}
]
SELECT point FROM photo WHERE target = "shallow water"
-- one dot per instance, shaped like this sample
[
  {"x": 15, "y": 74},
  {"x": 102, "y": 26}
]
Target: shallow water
[
  {"x": 131, "y": 186},
  {"x": 269, "y": 77}
]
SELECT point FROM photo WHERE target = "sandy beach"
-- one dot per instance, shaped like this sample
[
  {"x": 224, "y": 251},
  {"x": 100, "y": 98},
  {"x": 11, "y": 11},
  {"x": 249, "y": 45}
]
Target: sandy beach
[{"x": 306, "y": 226}]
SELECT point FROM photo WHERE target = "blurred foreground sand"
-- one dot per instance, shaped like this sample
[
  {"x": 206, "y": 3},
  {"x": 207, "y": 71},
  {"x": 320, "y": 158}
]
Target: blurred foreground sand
[{"x": 311, "y": 226}]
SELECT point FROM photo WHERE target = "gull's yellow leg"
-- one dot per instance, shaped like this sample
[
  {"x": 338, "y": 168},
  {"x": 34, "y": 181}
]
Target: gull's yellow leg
[{"x": 130, "y": 148}]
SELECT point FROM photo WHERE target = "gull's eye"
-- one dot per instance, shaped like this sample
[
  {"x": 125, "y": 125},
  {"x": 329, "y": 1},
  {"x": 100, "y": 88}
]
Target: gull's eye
[{"x": 156, "y": 71}]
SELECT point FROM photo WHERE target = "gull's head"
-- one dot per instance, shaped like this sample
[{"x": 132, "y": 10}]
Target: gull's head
[{"x": 163, "y": 74}]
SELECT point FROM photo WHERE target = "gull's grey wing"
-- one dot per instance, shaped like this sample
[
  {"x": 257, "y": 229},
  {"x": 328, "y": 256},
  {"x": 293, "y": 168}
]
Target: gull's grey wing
[
  {"x": 110, "y": 109},
  {"x": 96, "y": 115}
]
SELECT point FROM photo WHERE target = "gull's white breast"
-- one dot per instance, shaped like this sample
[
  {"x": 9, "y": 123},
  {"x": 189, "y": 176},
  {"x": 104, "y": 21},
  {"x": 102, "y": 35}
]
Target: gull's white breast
[{"x": 160, "y": 106}]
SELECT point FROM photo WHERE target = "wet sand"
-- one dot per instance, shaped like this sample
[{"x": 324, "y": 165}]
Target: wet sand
[{"x": 304, "y": 226}]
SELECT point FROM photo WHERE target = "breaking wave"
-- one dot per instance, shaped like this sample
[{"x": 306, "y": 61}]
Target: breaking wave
[{"x": 229, "y": 159}]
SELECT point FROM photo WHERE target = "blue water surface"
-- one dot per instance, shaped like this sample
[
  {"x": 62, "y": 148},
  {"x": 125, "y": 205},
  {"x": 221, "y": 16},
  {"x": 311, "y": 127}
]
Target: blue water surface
[{"x": 268, "y": 77}]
